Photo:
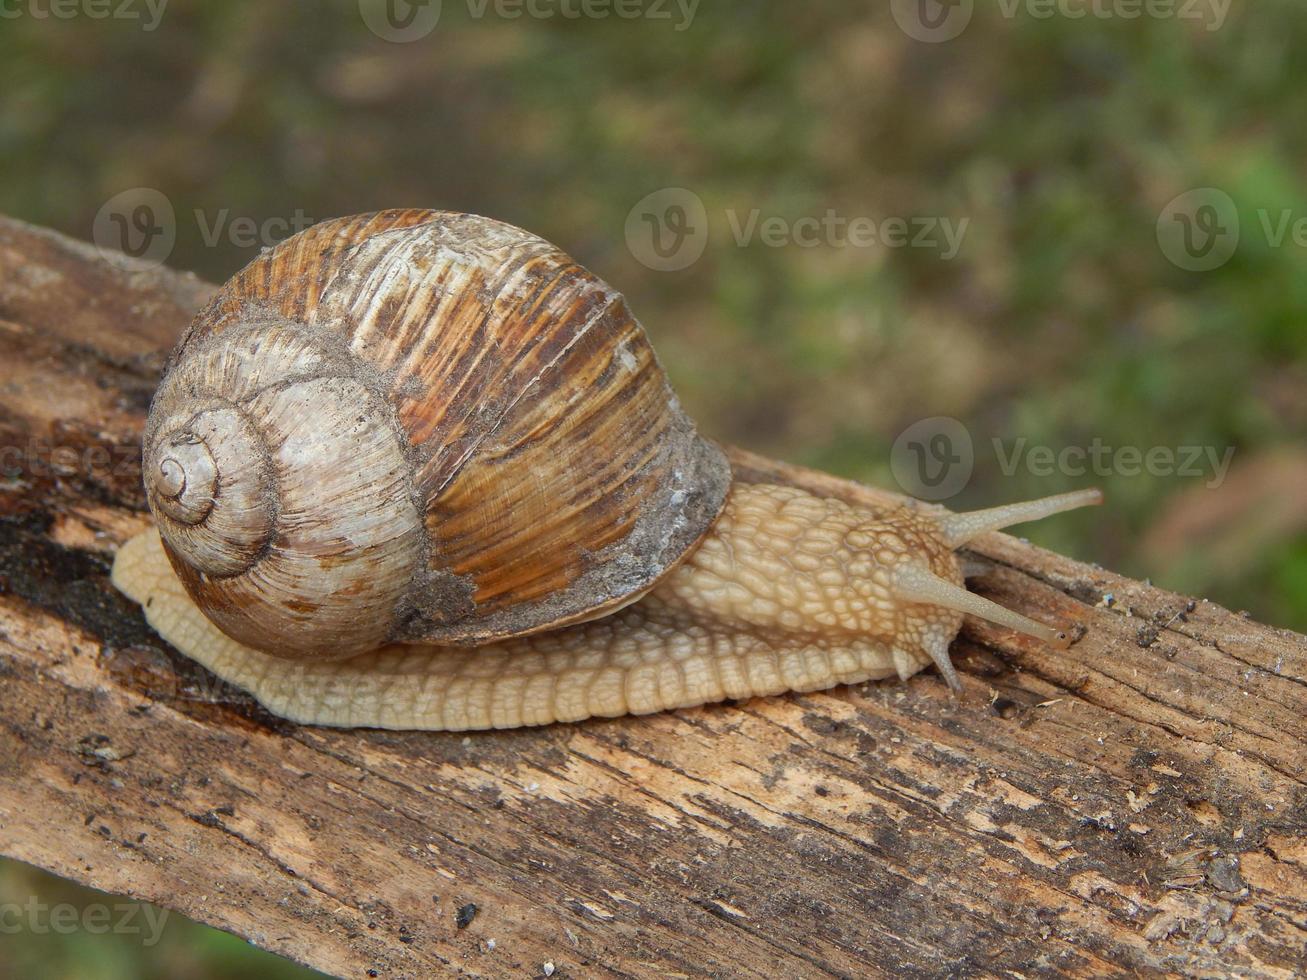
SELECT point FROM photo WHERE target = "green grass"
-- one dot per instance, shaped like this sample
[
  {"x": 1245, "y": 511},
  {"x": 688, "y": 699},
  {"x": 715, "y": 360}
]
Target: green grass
[{"x": 55, "y": 929}]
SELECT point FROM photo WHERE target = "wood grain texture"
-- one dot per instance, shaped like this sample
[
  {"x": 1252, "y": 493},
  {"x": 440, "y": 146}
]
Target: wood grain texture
[{"x": 1132, "y": 805}]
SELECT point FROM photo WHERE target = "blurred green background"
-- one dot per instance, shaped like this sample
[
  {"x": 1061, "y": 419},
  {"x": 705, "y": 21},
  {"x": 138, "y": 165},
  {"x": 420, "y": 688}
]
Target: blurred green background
[{"x": 1061, "y": 140}]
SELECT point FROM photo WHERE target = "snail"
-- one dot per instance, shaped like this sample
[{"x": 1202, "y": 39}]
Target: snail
[{"x": 420, "y": 469}]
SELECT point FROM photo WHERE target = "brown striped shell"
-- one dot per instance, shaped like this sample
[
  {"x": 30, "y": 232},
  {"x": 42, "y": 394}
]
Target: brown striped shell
[{"x": 419, "y": 425}]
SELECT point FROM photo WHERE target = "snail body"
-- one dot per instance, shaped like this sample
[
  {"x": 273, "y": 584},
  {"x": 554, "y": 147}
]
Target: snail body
[{"x": 421, "y": 470}]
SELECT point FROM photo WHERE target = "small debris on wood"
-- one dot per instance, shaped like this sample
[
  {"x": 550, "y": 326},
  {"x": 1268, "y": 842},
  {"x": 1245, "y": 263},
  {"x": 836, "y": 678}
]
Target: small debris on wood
[
  {"x": 1006, "y": 708},
  {"x": 96, "y": 751},
  {"x": 1184, "y": 870},
  {"x": 1223, "y": 875},
  {"x": 210, "y": 818}
]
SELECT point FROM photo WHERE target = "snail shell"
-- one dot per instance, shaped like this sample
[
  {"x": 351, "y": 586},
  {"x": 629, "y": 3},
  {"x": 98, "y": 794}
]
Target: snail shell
[
  {"x": 406, "y": 469},
  {"x": 420, "y": 426}
]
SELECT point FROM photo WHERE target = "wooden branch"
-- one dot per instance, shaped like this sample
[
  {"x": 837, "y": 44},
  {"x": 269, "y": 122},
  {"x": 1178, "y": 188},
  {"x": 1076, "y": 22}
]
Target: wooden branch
[{"x": 1134, "y": 804}]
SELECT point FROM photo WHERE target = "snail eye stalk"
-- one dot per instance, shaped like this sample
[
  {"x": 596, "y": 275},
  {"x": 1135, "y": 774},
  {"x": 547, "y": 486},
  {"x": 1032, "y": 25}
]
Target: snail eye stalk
[{"x": 958, "y": 529}]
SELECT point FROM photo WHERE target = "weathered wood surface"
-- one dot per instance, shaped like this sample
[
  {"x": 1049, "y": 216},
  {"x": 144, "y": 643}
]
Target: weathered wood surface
[{"x": 1132, "y": 805}]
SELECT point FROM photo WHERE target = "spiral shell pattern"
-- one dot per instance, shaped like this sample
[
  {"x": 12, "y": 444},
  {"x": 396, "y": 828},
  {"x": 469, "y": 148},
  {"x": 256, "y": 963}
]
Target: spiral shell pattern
[{"x": 419, "y": 425}]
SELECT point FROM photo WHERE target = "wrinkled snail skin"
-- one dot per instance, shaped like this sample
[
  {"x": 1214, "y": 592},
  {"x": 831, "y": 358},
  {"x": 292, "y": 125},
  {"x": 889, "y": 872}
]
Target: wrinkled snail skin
[{"x": 421, "y": 470}]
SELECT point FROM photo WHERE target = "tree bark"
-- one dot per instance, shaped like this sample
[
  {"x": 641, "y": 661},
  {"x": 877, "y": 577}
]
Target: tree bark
[{"x": 1132, "y": 805}]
